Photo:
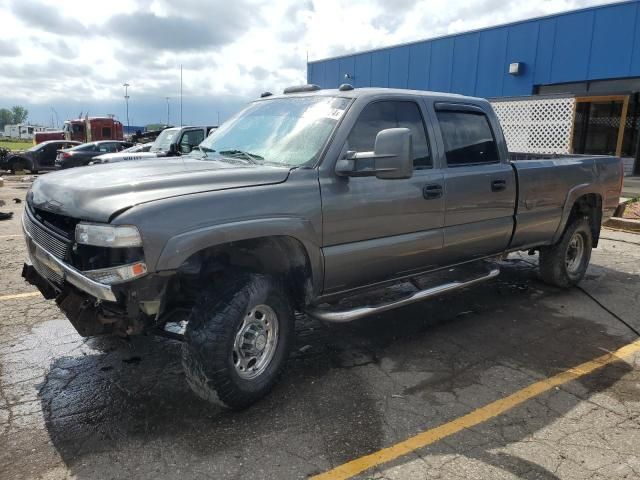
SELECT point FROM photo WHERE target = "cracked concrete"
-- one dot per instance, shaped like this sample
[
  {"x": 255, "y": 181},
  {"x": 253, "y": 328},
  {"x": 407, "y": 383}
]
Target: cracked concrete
[{"x": 108, "y": 408}]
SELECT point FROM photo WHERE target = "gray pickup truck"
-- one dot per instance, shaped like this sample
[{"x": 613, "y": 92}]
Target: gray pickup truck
[{"x": 334, "y": 203}]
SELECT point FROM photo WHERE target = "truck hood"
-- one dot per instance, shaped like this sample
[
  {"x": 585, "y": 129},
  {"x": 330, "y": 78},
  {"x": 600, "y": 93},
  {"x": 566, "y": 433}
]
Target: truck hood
[{"x": 98, "y": 192}]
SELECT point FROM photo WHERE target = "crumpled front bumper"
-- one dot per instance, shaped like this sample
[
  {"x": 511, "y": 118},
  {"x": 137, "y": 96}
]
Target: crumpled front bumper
[
  {"x": 79, "y": 307},
  {"x": 127, "y": 308},
  {"x": 46, "y": 265}
]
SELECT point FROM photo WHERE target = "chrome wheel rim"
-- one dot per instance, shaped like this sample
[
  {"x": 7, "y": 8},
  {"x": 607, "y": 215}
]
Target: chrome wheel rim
[
  {"x": 575, "y": 252},
  {"x": 255, "y": 342}
]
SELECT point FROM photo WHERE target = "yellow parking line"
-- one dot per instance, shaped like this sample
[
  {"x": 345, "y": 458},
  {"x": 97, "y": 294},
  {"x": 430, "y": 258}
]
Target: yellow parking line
[
  {"x": 359, "y": 465},
  {"x": 20, "y": 295}
]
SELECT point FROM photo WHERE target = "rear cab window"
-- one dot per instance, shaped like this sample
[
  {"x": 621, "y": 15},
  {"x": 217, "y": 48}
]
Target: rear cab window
[
  {"x": 468, "y": 137},
  {"x": 384, "y": 114}
]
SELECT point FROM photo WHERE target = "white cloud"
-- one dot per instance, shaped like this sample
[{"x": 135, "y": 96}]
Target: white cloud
[{"x": 81, "y": 51}]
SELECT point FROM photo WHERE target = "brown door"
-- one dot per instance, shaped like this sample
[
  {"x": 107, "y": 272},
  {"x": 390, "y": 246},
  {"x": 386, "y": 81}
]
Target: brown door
[{"x": 599, "y": 124}]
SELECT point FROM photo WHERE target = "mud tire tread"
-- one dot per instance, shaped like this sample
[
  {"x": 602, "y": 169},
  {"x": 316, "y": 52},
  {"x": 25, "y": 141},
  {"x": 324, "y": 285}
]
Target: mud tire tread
[{"x": 212, "y": 325}]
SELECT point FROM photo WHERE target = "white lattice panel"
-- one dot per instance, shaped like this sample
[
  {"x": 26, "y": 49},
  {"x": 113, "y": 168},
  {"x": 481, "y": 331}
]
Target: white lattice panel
[{"x": 537, "y": 125}]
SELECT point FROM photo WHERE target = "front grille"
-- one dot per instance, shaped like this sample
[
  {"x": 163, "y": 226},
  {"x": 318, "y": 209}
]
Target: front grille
[
  {"x": 45, "y": 271},
  {"x": 52, "y": 243}
]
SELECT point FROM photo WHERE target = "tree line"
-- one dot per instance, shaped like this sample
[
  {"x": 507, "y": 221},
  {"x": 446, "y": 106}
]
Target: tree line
[{"x": 13, "y": 115}]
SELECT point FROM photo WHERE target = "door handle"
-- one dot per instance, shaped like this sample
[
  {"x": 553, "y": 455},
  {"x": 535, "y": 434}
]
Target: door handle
[
  {"x": 498, "y": 185},
  {"x": 432, "y": 191}
]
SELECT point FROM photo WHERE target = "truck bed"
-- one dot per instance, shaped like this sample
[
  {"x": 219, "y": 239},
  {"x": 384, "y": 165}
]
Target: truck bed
[{"x": 548, "y": 185}]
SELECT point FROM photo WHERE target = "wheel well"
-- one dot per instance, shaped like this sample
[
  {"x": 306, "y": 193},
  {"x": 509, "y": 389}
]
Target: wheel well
[
  {"x": 16, "y": 159},
  {"x": 283, "y": 257},
  {"x": 589, "y": 206}
]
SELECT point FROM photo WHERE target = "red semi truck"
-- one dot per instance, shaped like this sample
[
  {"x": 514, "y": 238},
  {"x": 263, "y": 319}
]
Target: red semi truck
[
  {"x": 89, "y": 129},
  {"x": 92, "y": 129}
]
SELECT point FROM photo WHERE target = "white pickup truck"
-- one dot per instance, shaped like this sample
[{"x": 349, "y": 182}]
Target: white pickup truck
[{"x": 171, "y": 142}]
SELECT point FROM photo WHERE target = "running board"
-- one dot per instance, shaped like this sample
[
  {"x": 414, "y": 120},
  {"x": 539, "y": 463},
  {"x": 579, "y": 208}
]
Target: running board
[{"x": 342, "y": 316}]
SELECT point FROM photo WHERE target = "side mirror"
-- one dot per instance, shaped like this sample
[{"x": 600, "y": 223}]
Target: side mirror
[
  {"x": 392, "y": 157},
  {"x": 173, "y": 149}
]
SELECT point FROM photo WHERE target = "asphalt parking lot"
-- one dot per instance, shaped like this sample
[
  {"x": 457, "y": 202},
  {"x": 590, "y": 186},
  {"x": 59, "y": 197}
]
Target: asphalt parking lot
[{"x": 455, "y": 388}]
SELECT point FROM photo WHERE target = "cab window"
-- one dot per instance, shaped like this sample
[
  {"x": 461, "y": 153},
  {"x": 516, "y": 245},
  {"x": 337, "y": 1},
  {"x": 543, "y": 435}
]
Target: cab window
[
  {"x": 191, "y": 139},
  {"x": 391, "y": 114},
  {"x": 468, "y": 138}
]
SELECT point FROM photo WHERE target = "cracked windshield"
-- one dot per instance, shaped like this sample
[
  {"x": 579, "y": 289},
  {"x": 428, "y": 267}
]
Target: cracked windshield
[{"x": 286, "y": 131}]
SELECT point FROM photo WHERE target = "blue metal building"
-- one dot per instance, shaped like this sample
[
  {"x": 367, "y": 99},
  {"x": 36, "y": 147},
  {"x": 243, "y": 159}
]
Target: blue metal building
[{"x": 591, "y": 52}]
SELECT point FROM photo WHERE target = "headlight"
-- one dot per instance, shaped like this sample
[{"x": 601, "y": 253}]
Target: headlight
[
  {"x": 123, "y": 273},
  {"x": 115, "y": 236}
]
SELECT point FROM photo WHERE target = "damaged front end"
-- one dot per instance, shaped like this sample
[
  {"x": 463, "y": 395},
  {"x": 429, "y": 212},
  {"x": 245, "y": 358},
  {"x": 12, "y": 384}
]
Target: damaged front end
[{"x": 101, "y": 290}]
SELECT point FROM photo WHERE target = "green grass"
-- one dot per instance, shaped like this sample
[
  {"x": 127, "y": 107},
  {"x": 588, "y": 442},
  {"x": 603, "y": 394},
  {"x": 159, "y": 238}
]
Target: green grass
[{"x": 16, "y": 144}]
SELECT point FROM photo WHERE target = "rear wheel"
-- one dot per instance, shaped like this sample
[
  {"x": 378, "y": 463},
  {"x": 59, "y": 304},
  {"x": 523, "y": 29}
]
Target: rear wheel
[
  {"x": 565, "y": 263},
  {"x": 238, "y": 339}
]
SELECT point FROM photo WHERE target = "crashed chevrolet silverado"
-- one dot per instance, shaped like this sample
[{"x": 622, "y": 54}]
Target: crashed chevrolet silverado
[{"x": 334, "y": 203}]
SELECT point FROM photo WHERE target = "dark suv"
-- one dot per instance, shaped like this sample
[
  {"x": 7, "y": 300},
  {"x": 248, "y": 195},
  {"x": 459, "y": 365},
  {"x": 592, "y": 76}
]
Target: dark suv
[
  {"x": 39, "y": 157},
  {"x": 82, "y": 154}
]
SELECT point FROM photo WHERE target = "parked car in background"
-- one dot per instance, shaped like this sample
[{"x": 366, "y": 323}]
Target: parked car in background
[
  {"x": 170, "y": 143},
  {"x": 39, "y": 157},
  {"x": 83, "y": 154},
  {"x": 123, "y": 155}
]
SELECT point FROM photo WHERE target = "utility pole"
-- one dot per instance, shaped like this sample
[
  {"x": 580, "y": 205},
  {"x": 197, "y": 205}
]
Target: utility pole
[
  {"x": 218, "y": 124},
  {"x": 57, "y": 119},
  {"x": 126, "y": 100},
  {"x": 167, "y": 111},
  {"x": 181, "y": 124}
]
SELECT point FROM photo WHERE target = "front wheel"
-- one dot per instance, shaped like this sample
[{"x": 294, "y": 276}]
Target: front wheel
[
  {"x": 238, "y": 340},
  {"x": 565, "y": 263}
]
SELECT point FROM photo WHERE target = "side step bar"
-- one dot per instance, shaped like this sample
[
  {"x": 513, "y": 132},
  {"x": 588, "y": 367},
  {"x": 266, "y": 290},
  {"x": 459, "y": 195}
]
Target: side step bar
[{"x": 342, "y": 316}]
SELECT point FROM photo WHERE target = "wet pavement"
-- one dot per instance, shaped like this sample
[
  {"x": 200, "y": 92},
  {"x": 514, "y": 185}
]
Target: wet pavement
[{"x": 108, "y": 409}]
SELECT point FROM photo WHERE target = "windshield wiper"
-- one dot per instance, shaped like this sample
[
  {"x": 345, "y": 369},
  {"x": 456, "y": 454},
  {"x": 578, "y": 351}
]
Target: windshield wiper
[
  {"x": 204, "y": 150},
  {"x": 251, "y": 157}
]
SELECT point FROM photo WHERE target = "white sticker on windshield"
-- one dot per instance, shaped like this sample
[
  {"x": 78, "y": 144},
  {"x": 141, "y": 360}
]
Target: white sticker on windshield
[{"x": 334, "y": 113}]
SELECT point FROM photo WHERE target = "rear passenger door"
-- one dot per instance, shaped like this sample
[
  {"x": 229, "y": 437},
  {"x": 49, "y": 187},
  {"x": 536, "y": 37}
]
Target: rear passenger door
[
  {"x": 480, "y": 189},
  {"x": 377, "y": 229}
]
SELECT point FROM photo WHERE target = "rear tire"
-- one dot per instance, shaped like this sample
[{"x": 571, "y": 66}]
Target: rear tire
[
  {"x": 565, "y": 263},
  {"x": 238, "y": 340}
]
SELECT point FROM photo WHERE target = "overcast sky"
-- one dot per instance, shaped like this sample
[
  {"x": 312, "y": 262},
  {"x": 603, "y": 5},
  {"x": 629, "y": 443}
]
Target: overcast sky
[{"x": 74, "y": 55}]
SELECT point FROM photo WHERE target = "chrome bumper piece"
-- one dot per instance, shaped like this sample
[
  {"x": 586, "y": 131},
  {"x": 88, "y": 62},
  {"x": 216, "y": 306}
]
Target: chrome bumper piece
[{"x": 39, "y": 256}]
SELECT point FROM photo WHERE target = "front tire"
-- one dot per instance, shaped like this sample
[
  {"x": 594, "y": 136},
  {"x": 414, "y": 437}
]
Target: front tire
[
  {"x": 565, "y": 263},
  {"x": 238, "y": 340}
]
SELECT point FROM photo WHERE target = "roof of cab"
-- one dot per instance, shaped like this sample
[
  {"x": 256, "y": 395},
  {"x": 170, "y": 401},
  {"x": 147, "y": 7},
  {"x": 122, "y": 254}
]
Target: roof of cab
[{"x": 376, "y": 91}]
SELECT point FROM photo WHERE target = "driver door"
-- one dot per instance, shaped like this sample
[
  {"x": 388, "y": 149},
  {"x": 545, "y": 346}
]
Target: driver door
[
  {"x": 46, "y": 157},
  {"x": 190, "y": 140},
  {"x": 376, "y": 229}
]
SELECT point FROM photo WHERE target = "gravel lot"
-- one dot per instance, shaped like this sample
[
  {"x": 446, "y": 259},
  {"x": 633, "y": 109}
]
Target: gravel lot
[{"x": 109, "y": 409}]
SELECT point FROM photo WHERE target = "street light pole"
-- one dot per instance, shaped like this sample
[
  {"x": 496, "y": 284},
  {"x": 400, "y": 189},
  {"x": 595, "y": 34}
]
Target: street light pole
[
  {"x": 126, "y": 100},
  {"x": 167, "y": 111}
]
